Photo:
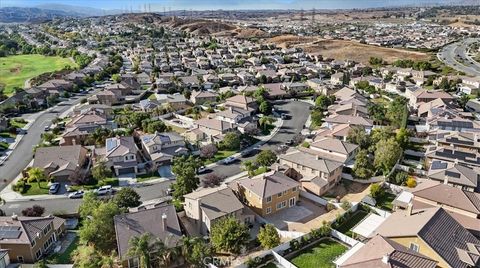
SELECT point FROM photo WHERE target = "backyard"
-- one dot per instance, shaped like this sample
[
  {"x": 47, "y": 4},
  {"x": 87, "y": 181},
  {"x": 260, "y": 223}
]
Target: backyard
[
  {"x": 385, "y": 201},
  {"x": 320, "y": 255},
  {"x": 346, "y": 227},
  {"x": 15, "y": 70}
]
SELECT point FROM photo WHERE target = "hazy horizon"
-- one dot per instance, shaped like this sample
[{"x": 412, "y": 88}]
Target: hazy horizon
[{"x": 160, "y": 5}]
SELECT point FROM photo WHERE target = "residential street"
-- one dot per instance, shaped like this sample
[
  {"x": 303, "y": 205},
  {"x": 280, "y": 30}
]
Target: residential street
[
  {"x": 23, "y": 153},
  {"x": 298, "y": 111}
]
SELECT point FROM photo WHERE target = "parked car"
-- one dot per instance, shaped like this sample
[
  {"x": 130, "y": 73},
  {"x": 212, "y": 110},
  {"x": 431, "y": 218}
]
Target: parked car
[
  {"x": 202, "y": 170},
  {"x": 229, "y": 160},
  {"x": 46, "y": 128},
  {"x": 107, "y": 189},
  {"x": 289, "y": 142},
  {"x": 250, "y": 152},
  {"x": 54, "y": 187},
  {"x": 285, "y": 116},
  {"x": 77, "y": 194}
]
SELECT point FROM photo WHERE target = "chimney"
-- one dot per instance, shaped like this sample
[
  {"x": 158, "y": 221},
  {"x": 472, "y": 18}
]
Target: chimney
[
  {"x": 445, "y": 181},
  {"x": 386, "y": 259},
  {"x": 14, "y": 217},
  {"x": 164, "y": 221},
  {"x": 317, "y": 157},
  {"x": 409, "y": 208}
]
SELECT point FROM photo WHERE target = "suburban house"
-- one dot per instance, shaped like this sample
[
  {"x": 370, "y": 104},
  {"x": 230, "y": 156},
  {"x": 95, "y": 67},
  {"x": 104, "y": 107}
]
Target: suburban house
[
  {"x": 381, "y": 252},
  {"x": 334, "y": 120},
  {"x": 243, "y": 102},
  {"x": 461, "y": 141},
  {"x": 233, "y": 114},
  {"x": 214, "y": 127},
  {"x": 121, "y": 155},
  {"x": 316, "y": 175},
  {"x": 339, "y": 132},
  {"x": 434, "y": 233},
  {"x": 207, "y": 205},
  {"x": 176, "y": 101},
  {"x": 27, "y": 239},
  {"x": 63, "y": 163},
  {"x": 462, "y": 205},
  {"x": 448, "y": 155},
  {"x": 160, "y": 148},
  {"x": 332, "y": 149},
  {"x": 455, "y": 175},
  {"x": 201, "y": 97},
  {"x": 337, "y": 78},
  {"x": 161, "y": 222},
  {"x": 426, "y": 96},
  {"x": 268, "y": 193}
]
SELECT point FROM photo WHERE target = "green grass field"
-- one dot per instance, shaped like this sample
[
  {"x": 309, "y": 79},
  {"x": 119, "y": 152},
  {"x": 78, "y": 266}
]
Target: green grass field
[
  {"x": 15, "y": 70},
  {"x": 320, "y": 256}
]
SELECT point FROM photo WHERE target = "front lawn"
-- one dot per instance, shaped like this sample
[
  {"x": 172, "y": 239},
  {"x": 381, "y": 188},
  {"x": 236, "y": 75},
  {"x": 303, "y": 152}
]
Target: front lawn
[
  {"x": 18, "y": 123},
  {"x": 346, "y": 227},
  {"x": 96, "y": 184},
  {"x": 219, "y": 156},
  {"x": 7, "y": 134},
  {"x": 34, "y": 189},
  {"x": 147, "y": 177},
  {"x": 385, "y": 201},
  {"x": 320, "y": 255},
  {"x": 3, "y": 146}
]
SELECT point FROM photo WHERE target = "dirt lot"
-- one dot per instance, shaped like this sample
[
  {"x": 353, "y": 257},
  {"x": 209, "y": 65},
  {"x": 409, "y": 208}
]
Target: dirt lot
[
  {"x": 343, "y": 50},
  {"x": 350, "y": 191}
]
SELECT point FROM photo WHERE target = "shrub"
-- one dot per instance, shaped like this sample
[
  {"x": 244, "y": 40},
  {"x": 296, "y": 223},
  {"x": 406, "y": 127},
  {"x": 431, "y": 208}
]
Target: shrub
[
  {"x": 346, "y": 205},
  {"x": 35, "y": 211},
  {"x": 294, "y": 244},
  {"x": 330, "y": 206},
  {"x": 376, "y": 190},
  {"x": 306, "y": 144},
  {"x": 411, "y": 182}
]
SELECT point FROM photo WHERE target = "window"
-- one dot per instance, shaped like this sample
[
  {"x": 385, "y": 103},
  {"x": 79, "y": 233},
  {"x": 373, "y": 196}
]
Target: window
[
  {"x": 285, "y": 192},
  {"x": 20, "y": 259},
  {"x": 133, "y": 263},
  {"x": 269, "y": 199},
  {"x": 279, "y": 206},
  {"x": 33, "y": 242},
  {"x": 284, "y": 204},
  {"x": 279, "y": 194},
  {"x": 414, "y": 247},
  {"x": 38, "y": 254},
  {"x": 269, "y": 210},
  {"x": 294, "y": 189}
]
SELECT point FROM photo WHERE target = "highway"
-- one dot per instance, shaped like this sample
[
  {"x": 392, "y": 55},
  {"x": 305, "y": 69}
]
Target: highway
[{"x": 456, "y": 56}]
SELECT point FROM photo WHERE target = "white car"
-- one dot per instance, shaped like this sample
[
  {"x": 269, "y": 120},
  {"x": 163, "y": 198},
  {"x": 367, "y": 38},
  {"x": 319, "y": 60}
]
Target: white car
[
  {"x": 229, "y": 160},
  {"x": 107, "y": 189},
  {"x": 77, "y": 194}
]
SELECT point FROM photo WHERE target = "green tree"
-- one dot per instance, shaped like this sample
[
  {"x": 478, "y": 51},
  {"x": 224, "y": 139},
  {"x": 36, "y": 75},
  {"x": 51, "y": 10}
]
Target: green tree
[
  {"x": 322, "y": 102},
  {"x": 195, "y": 251},
  {"x": 229, "y": 235},
  {"x": 363, "y": 168},
  {"x": 268, "y": 236},
  {"x": 127, "y": 198},
  {"x": 98, "y": 229},
  {"x": 403, "y": 137},
  {"x": 116, "y": 78},
  {"x": 148, "y": 249},
  {"x": 375, "y": 61},
  {"x": 186, "y": 181},
  {"x": 266, "y": 158},
  {"x": 36, "y": 174},
  {"x": 376, "y": 191},
  {"x": 86, "y": 256},
  {"x": 264, "y": 108},
  {"x": 316, "y": 116},
  {"x": 387, "y": 153},
  {"x": 249, "y": 166},
  {"x": 400, "y": 178},
  {"x": 100, "y": 171},
  {"x": 383, "y": 133},
  {"x": 397, "y": 111},
  {"x": 377, "y": 113},
  {"x": 231, "y": 141},
  {"x": 357, "y": 135},
  {"x": 264, "y": 121}
]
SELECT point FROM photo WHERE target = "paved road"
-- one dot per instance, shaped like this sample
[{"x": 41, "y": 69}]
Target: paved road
[
  {"x": 23, "y": 153},
  {"x": 456, "y": 56},
  {"x": 67, "y": 206},
  {"x": 298, "y": 111}
]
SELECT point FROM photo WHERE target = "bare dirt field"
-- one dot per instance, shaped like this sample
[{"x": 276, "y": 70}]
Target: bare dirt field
[{"x": 349, "y": 50}]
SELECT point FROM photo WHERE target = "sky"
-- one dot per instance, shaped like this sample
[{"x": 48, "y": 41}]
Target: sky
[{"x": 158, "y": 5}]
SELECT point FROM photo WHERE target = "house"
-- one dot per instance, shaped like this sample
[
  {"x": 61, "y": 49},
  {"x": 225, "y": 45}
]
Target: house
[
  {"x": 381, "y": 252},
  {"x": 107, "y": 97},
  {"x": 63, "y": 163},
  {"x": 339, "y": 119},
  {"x": 268, "y": 193},
  {"x": 351, "y": 109},
  {"x": 214, "y": 127},
  {"x": 428, "y": 96},
  {"x": 333, "y": 149},
  {"x": 462, "y": 141},
  {"x": 208, "y": 205},
  {"x": 121, "y": 155},
  {"x": 434, "y": 233},
  {"x": 449, "y": 155},
  {"x": 28, "y": 239},
  {"x": 339, "y": 132},
  {"x": 176, "y": 101},
  {"x": 233, "y": 115},
  {"x": 241, "y": 101},
  {"x": 161, "y": 222},
  {"x": 160, "y": 148},
  {"x": 337, "y": 78},
  {"x": 463, "y": 206},
  {"x": 455, "y": 175},
  {"x": 201, "y": 97},
  {"x": 317, "y": 175}
]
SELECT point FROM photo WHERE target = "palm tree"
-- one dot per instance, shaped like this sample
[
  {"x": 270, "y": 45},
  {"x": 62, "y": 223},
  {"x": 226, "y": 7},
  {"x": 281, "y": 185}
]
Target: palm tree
[
  {"x": 36, "y": 174},
  {"x": 264, "y": 121},
  {"x": 249, "y": 166},
  {"x": 140, "y": 247}
]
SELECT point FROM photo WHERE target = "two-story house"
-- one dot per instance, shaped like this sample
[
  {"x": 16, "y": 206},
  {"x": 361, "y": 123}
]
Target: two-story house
[
  {"x": 160, "y": 148},
  {"x": 268, "y": 193},
  {"x": 28, "y": 239},
  {"x": 208, "y": 205},
  {"x": 121, "y": 155}
]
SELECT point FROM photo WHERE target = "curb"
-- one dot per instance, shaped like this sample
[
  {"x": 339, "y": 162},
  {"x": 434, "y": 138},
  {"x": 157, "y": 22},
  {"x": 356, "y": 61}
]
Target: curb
[{"x": 18, "y": 139}]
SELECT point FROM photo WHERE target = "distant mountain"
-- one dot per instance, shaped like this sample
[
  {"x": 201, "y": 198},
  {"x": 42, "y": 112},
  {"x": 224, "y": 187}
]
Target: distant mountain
[
  {"x": 28, "y": 14},
  {"x": 85, "y": 11}
]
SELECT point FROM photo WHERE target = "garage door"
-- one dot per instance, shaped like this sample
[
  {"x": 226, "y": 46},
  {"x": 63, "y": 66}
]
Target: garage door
[{"x": 126, "y": 171}]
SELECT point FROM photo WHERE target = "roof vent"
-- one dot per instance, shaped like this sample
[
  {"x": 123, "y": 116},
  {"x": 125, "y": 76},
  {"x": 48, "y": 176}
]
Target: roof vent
[
  {"x": 386, "y": 259},
  {"x": 14, "y": 217}
]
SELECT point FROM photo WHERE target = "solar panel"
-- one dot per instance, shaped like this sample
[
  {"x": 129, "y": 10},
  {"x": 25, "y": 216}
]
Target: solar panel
[
  {"x": 9, "y": 232},
  {"x": 438, "y": 165}
]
